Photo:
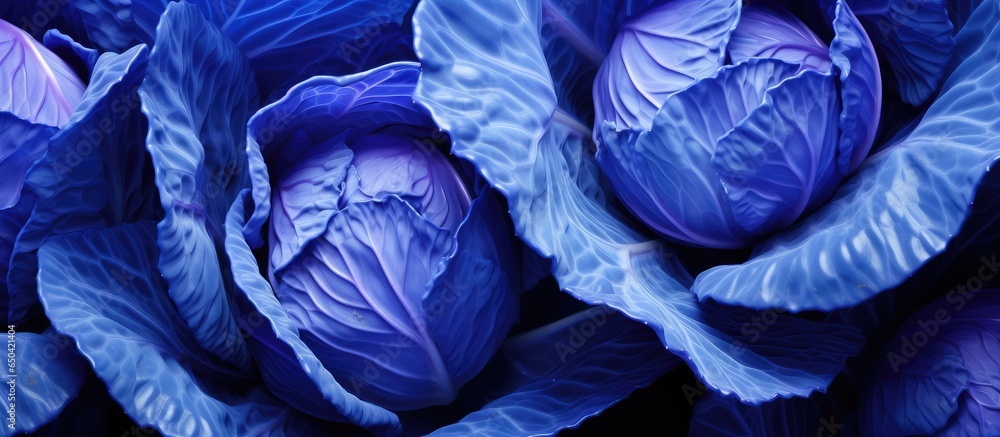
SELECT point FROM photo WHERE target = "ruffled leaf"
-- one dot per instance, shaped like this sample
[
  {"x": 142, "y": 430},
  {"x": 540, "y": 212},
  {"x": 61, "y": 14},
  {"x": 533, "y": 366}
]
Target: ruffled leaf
[
  {"x": 198, "y": 94},
  {"x": 897, "y": 212},
  {"x": 95, "y": 172},
  {"x": 664, "y": 174},
  {"x": 41, "y": 88},
  {"x": 283, "y": 39},
  {"x": 916, "y": 38},
  {"x": 22, "y": 144},
  {"x": 289, "y": 367},
  {"x": 659, "y": 52},
  {"x": 355, "y": 292},
  {"x": 935, "y": 375},
  {"x": 102, "y": 289},
  {"x": 565, "y": 372},
  {"x": 48, "y": 374},
  {"x": 959, "y": 11},
  {"x": 82, "y": 59},
  {"x": 109, "y": 23},
  {"x": 780, "y": 161},
  {"x": 860, "y": 87},
  {"x": 11, "y": 221},
  {"x": 576, "y": 37},
  {"x": 719, "y": 415},
  {"x": 304, "y": 137},
  {"x": 470, "y": 306},
  {"x": 399, "y": 164},
  {"x": 504, "y": 124}
]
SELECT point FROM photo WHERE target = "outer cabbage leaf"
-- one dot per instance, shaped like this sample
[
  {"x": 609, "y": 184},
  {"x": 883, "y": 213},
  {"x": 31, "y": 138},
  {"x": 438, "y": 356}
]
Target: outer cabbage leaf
[
  {"x": 896, "y": 213},
  {"x": 935, "y": 375},
  {"x": 470, "y": 305},
  {"x": 289, "y": 367},
  {"x": 21, "y": 144},
  {"x": 198, "y": 94},
  {"x": 109, "y": 24},
  {"x": 11, "y": 221},
  {"x": 40, "y": 87},
  {"x": 719, "y": 415},
  {"x": 659, "y": 52},
  {"x": 37, "y": 16},
  {"x": 959, "y": 11},
  {"x": 497, "y": 103},
  {"x": 559, "y": 375},
  {"x": 576, "y": 37},
  {"x": 860, "y": 86},
  {"x": 47, "y": 376},
  {"x": 102, "y": 289},
  {"x": 94, "y": 174},
  {"x": 916, "y": 39},
  {"x": 283, "y": 39},
  {"x": 81, "y": 58}
]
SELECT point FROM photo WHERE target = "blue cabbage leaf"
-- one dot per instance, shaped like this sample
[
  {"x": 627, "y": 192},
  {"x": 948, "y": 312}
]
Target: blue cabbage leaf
[
  {"x": 38, "y": 16},
  {"x": 916, "y": 39},
  {"x": 715, "y": 414},
  {"x": 556, "y": 376},
  {"x": 198, "y": 94},
  {"x": 81, "y": 58},
  {"x": 934, "y": 375},
  {"x": 298, "y": 136},
  {"x": 897, "y": 212},
  {"x": 290, "y": 369},
  {"x": 101, "y": 288},
  {"x": 41, "y": 87},
  {"x": 22, "y": 143},
  {"x": 356, "y": 241},
  {"x": 41, "y": 92},
  {"x": 508, "y": 125},
  {"x": 109, "y": 24},
  {"x": 48, "y": 375},
  {"x": 11, "y": 221},
  {"x": 959, "y": 11},
  {"x": 423, "y": 249},
  {"x": 773, "y": 185},
  {"x": 857, "y": 67},
  {"x": 93, "y": 174},
  {"x": 659, "y": 52},
  {"x": 285, "y": 39}
]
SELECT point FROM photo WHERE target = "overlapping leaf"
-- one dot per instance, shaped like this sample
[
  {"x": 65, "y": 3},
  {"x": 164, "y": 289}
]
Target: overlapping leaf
[{"x": 497, "y": 103}]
